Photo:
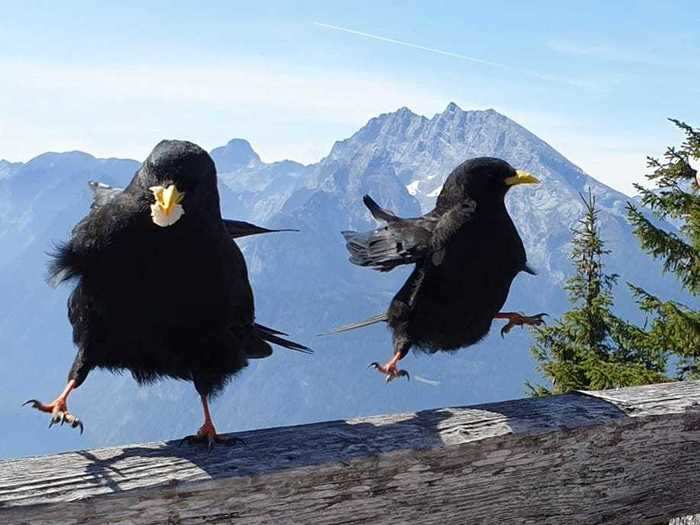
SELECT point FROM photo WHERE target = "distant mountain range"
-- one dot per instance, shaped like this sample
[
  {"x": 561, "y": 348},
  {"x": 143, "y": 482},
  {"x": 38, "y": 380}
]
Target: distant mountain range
[{"x": 303, "y": 282}]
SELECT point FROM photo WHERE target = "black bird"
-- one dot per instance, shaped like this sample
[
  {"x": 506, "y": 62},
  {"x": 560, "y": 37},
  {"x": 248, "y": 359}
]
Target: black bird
[
  {"x": 162, "y": 289},
  {"x": 466, "y": 252},
  {"x": 103, "y": 193}
]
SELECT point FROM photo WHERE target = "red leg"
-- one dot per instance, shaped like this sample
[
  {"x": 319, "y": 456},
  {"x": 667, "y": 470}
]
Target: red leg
[
  {"x": 207, "y": 432},
  {"x": 58, "y": 408},
  {"x": 518, "y": 319},
  {"x": 207, "y": 429}
]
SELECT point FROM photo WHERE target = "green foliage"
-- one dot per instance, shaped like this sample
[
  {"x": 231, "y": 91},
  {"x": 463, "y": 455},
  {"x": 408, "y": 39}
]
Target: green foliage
[
  {"x": 589, "y": 347},
  {"x": 672, "y": 326}
]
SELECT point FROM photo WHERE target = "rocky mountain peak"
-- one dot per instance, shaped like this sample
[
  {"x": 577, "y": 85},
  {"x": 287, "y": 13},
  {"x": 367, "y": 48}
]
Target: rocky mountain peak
[
  {"x": 302, "y": 281},
  {"x": 235, "y": 155},
  {"x": 7, "y": 167}
]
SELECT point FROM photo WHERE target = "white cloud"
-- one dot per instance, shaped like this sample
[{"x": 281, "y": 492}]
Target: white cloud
[
  {"x": 286, "y": 113},
  {"x": 124, "y": 110},
  {"x": 616, "y": 160},
  {"x": 652, "y": 51}
]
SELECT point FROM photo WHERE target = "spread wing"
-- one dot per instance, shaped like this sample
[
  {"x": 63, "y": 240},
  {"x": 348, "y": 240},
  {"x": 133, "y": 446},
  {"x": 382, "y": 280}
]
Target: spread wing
[{"x": 406, "y": 241}]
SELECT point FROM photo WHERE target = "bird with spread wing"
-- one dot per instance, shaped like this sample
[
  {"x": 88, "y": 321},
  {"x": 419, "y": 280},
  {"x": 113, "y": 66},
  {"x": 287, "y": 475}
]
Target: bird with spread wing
[
  {"x": 162, "y": 289},
  {"x": 466, "y": 253}
]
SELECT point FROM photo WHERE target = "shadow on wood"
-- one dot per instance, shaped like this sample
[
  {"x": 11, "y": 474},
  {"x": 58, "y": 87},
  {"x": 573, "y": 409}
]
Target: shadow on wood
[{"x": 621, "y": 456}]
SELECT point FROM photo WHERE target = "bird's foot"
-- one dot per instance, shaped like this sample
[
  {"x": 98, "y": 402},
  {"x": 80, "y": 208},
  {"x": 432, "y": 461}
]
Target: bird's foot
[
  {"x": 518, "y": 319},
  {"x": 390, "y": 371},
  {"x": 59, "y": 412},
  {"x": 207, "y": 435}
]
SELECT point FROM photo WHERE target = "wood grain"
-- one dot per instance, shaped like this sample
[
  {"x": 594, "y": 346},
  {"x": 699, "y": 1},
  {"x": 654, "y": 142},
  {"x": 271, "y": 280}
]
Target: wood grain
[{"x": 622, "y": 456}]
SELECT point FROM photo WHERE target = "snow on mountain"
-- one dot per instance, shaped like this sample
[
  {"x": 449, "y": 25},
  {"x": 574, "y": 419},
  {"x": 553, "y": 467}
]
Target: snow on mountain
[{"x": 302, "y": 281}]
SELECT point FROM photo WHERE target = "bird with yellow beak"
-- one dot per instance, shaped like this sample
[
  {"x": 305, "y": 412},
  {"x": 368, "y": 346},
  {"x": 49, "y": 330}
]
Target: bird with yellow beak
[
  {"x": 466, "y": 253},
  {"x": 172, "y": 301}
]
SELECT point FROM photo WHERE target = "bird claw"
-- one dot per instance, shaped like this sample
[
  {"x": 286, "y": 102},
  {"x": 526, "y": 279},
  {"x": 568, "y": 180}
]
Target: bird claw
[
  {"x": 59, "y": 413},
  {"x": 77, "y": 423},
  {"x": 58, "y": 417},
  {"x": 210, "y": 440},
  {"x": 522, "y": 320},
  {"x": 398, "y": 374},
  {"x": 390, "y": 372}
]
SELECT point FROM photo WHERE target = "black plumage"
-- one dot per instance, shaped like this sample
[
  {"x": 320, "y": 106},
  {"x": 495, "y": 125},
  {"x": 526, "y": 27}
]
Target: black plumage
[
  {"x": 104, "y": 193},
  {"x": 165, "y": 292},
  {"x": 466, "y": 252}
]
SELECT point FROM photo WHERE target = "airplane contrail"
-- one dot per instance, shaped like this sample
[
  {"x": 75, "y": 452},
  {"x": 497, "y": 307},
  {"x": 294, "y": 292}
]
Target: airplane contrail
[
  {"x": 410, "y": 44},
  {"x": 476, "y": 60},
  {"x": 427, "y": 381}
]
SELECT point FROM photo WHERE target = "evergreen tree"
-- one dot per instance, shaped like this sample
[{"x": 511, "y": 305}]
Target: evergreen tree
[
  {"x": 589, "y": 347},
  {"x": 676, "y": 196}
]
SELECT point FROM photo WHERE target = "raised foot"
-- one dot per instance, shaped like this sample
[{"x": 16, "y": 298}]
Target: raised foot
[
  {"x": 518, "y": 319},
  {"x": 59, "y": 413},
  {"x": 390, "y": 371},
  {"x": 207, "y": 435}
]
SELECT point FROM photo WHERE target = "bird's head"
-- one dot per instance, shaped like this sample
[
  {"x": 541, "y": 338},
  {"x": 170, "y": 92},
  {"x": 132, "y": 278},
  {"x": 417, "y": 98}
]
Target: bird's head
[
  {"x": 486, "y": 179},
  {"x": 181, "y": 178}
]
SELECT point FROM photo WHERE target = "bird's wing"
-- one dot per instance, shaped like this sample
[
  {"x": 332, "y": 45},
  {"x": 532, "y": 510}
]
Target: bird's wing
[
  {"x": 274, "y": 336},
  {"x": 378, "y": 212},
  {"x": 400, "y": 241},
  {"x": 239, "y": 229},
  {"x": 112, "y": 212},
  {"x": 405, "y": 241},
  {"x": 102, "y": 193},
  {"x": 449, "y": 223}
]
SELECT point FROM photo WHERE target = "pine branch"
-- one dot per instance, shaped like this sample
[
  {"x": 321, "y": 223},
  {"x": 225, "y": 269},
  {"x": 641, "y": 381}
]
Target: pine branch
[
  {"x": 672, "y": 202},
  {"x": 678, "y": 256}
]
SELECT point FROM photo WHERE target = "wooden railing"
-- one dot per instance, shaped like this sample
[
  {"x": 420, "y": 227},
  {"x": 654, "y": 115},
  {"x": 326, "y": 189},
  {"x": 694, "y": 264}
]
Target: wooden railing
[{"x": 618, "y": 456}]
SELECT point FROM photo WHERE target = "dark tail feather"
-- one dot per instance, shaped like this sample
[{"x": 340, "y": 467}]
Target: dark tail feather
[
  {"x": 529, "y": 270},
  {"x": 242, "y": 229},
  {"x": 361, "y": 324},
  {"x": 377, "y": 211},
  {"x": 63, "y": 266},
  {"x": 271, "y": 336},
  {"x": 268, "y": 330}
]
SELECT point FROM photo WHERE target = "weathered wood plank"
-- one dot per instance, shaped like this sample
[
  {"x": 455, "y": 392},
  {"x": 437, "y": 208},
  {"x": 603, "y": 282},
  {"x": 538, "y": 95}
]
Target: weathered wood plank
[
  {"x": 686, "y": 520},
  {"x": 622, "y": 456}
]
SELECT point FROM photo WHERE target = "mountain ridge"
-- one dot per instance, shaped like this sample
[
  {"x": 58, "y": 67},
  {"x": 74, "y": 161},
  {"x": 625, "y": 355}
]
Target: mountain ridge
[{"x": 303, "y": 283}]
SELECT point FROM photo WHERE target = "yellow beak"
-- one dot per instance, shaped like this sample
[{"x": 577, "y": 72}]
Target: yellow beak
[
  {"x": 522, "y": 177},
  {"x": 167, "y": 198}
]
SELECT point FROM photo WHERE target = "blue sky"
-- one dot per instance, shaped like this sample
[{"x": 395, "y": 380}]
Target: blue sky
[{"x": 594, "y": 79}]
